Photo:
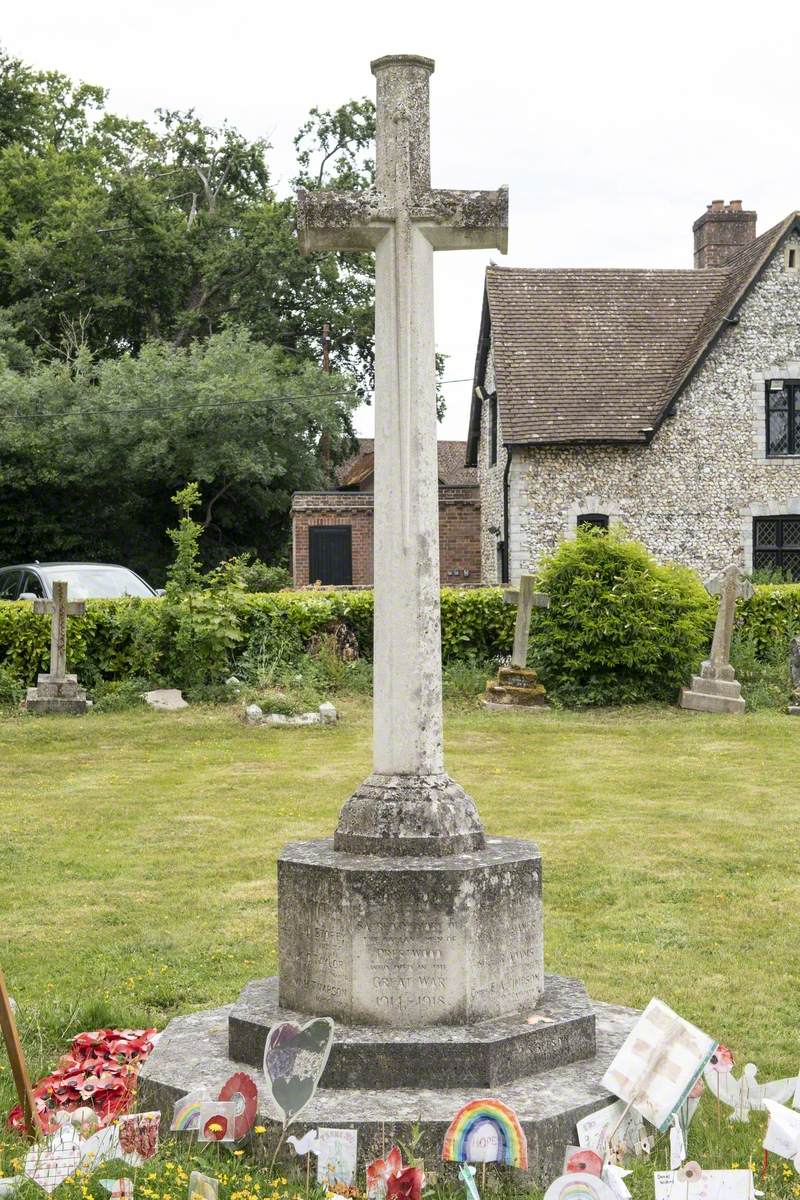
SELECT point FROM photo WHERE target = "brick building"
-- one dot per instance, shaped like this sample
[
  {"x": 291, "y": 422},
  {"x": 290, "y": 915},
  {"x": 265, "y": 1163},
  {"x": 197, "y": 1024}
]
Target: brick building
[
  {"x": 666, "y": 399},
  {"x": 332, "y": 531}
]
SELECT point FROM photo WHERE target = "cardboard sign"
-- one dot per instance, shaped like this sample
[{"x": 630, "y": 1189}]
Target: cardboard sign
[
  {"x": 336, "y": 1157},
  {"x": 294, "y": 1059},
  {"x": 659, "y": 1063},
  {"x": 711, "y": 1185}
]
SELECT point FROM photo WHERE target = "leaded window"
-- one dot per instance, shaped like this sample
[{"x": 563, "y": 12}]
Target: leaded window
[
  {"x": 783, "y": 418},
  {"x": 592, "y": 521},
  {"x": 776, "y": 545}
]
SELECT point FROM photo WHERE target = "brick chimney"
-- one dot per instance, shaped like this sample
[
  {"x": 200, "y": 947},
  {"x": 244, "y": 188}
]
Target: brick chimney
[{"x": 721, "y": 232}]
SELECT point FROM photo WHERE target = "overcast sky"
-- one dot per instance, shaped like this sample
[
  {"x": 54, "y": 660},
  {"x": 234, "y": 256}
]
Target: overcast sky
[{"x": 613, "y": 124}]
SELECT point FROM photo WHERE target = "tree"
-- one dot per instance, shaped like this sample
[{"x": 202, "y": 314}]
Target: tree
[{"x": 92, "y": 452}]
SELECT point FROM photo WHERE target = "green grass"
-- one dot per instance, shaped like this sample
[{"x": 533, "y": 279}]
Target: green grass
[{"x": 137, "y": 861}]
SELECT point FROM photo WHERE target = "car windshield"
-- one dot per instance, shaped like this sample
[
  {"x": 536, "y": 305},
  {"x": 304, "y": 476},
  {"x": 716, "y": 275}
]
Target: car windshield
[{"x": 96, "y": 582}]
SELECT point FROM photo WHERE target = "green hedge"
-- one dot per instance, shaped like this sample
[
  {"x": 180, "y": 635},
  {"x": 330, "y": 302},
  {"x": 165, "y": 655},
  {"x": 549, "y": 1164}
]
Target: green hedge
[{"x": 118, "y": 639}]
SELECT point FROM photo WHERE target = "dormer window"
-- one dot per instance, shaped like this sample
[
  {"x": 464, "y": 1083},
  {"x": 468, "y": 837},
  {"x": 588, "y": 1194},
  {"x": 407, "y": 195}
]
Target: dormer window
[{"x": 783, "y": 418}]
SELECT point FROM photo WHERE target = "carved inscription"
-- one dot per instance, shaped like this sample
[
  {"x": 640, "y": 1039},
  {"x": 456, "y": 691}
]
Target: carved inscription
[
  {"x": 507, "y": 972},
  {"x": 408, "y": 968},
  {"x": 325, "y": 959}
]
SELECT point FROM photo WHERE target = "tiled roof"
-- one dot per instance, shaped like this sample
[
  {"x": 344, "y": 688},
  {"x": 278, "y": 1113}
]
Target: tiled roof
[
  {"x": 452, "y": 472},
  {"x": 600, "y": 355}
]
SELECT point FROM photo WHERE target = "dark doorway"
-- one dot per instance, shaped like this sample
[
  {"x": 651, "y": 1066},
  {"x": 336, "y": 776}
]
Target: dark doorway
[
  {"x": 593, "y": 521},
  {"x": 330, "y": 554}
]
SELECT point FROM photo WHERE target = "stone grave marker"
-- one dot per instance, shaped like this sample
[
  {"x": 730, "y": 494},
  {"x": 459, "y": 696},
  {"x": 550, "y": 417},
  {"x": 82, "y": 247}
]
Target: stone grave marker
[
  {"x": 418, "y": 934},
  {"x": 518, "y": 686},
  {"x": 716, "y": 688},
  {"x": 58, "y": 692}
]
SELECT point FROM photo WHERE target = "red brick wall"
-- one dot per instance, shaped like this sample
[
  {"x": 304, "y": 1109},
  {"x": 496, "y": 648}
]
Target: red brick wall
[{"x": 459, "y": 532}]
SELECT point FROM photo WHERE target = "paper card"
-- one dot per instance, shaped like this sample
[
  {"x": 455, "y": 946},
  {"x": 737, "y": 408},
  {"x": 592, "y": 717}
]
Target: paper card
[
  {"x": 119, "y": 1189},
  {"x": 138, "y": 1137},
  {"x": 614, "y": 1176},
  {"x": 10, "y": 1185},
  {"x": 578, "y": 1161},
  {"x": 711, "y": 1185},
  {"x": 336, "y": 1157},
  {"x": 294, "y": 1059},
  {"x": 594, "y": 1130},
  {"x": 203, "y": 1187},
  {"x": 217, "y": 1121},
  {"x": 241, "y": 1088},
  {"x": 783, "y": 1131},
  {"x": 307, "y": 1144},
  {"x": 579, "y": 1187},
  {"x": 50, "y": 1162},
  {"x": 746, "y": 1094},
  {"x": 796, "y": 1099},
  {"x": 659, "y": 1063},
  {"x": 186, "y": 1113},
  {"x": 677, "y": 1146},
  {"x": 101, "y": 1147}
]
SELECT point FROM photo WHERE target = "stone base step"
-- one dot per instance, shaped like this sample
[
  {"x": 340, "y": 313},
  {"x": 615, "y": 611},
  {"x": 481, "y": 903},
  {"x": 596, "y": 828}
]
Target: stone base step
[
  {"x": 528, "y": 697},
  {"x": 478, "y": 1056},
  {"x": 193, "y": 1052},
  {"x": 701, "y": 701}
]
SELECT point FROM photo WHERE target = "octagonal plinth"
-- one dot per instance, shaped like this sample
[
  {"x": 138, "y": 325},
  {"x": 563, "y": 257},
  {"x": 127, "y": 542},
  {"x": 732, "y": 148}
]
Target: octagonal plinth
[
  {"x": 410, "y": 942},
  {"x": 560, "y": 1030}
]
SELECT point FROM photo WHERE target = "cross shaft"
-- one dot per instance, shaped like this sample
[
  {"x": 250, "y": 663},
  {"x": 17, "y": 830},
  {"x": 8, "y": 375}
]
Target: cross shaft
[{"x": 58, "y": 609}]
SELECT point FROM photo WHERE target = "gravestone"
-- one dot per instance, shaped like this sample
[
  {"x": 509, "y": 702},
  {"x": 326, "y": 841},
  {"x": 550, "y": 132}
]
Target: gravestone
[
  {"x": 794, "y": 675},
  {"x": 418, "y": 933},
  {"x": 716, "y": 688},
  {"x": 57, "y": 692},
  {"x": 518, "y": 686}
]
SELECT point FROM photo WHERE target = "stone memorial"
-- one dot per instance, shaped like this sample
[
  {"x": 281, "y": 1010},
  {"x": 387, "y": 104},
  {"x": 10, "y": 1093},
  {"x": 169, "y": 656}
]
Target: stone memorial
[
  {"x": 794, "y": 675},
  {"x": 417, "y": 932},
  {"x": 716, "y": 688},
  {"x": 518, "y": 686},
  {"x": 57, "y": 692}
]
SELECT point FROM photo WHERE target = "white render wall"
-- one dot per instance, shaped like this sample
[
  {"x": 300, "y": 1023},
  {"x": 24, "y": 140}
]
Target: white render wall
[{"x": 690, "y": 495}]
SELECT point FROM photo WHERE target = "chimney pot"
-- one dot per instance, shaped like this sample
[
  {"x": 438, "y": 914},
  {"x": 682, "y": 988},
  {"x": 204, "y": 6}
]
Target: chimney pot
[{"x": 721, "y": 232}]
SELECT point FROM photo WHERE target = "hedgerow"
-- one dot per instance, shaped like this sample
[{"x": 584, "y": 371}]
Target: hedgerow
[{"x": 619, "y": 628}]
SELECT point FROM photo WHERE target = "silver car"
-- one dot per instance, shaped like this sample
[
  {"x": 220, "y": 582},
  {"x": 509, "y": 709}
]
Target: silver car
[{"x": 86, "y": 581}]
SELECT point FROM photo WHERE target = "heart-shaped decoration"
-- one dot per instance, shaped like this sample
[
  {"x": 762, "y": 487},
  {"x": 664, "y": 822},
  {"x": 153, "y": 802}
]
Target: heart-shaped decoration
[
  {"x": 294, "y": 1059},
  {"x": 55, "y": 1159}
]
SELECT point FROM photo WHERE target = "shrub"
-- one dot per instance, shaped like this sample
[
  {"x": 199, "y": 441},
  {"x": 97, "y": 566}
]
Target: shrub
[
  {"x": 620, "y": 629},
  {"x": 256, "y": 576},
  {"x": 763, "y": 673},
  {"x": 119, "y": 695},
  {"x": 11, "y": 690}
]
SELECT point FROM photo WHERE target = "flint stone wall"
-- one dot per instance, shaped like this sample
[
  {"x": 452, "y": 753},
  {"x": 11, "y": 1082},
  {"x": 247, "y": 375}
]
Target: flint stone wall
[{"x": 691, "y": 494}]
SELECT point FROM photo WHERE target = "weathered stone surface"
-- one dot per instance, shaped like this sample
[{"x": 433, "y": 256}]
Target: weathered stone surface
[
  {"x": 193, "y": 1052},
  {"x": 409, "y": 815},
  {"x": 794, "y": 710},
  {"x": 561, "y": 1030},
  {"x": 712, "y": 695},
  {"x": 253, "y": 714},
  {"x": 410, "y": 941},
  {"x": 328, "y": 713},
  {"x": 167, "y": 699}
]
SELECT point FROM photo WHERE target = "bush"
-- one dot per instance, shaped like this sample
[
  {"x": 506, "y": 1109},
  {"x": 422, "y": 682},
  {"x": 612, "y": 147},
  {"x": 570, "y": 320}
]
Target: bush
[
  {"x": 256, "y": 576},
  {"x": 620, "y": 629},
  {"x": 119, "y": 695},
  {"x": 11, "y": 690},
  {"x": 763, "y": 673}
]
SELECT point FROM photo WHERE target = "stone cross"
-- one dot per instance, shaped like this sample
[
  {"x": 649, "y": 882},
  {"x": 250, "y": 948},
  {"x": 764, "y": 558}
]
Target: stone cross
[
  {"x": 58, "y": 609},
  {"x": 403, "y": 220},
  {"x": 730, "y": 585},
  {"x": 526, "y": 599}
]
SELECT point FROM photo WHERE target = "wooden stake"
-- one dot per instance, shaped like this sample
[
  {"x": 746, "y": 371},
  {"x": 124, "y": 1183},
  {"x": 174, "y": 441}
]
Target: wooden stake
[
  {"x": 16, "y": 1058},
  {"x": 764, "y": 1165},
  {"x": 483, "y": 1176}
]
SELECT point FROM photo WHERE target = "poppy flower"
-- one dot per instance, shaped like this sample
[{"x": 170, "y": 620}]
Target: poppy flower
[
  {"x": 690, "y": 1172},
  {"x": 698, "y": 1089},
  {"x": 721, "y": 1060},
  {"x": 378, "y": 1172},
  {"x": 587, "y": 1161},
  {"x": 407, "y": 1185}
]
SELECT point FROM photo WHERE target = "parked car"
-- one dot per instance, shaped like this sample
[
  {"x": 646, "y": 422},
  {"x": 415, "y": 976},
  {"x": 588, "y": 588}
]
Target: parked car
[{"x": 86, "y": 581}]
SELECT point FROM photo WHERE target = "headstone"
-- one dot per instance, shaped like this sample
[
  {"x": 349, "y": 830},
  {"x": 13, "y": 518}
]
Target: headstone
[
  {"x": 418, "y": 934},
  {"x": 166, "y": 699},
  {"x": 57, "y": 692},
  {"x": 716, "y": 688},
  {"x": 518, "y": 686},
  {"x": 794, "y": 675}
]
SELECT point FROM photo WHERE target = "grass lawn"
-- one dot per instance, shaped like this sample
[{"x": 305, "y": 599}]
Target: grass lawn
[{"x": 137, "y": 858}]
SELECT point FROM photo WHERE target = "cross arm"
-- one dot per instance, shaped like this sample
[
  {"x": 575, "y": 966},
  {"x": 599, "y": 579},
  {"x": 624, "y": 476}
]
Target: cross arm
[
  {"x": 330, "y": 220},
  {"x": 463, "y": 220}
]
